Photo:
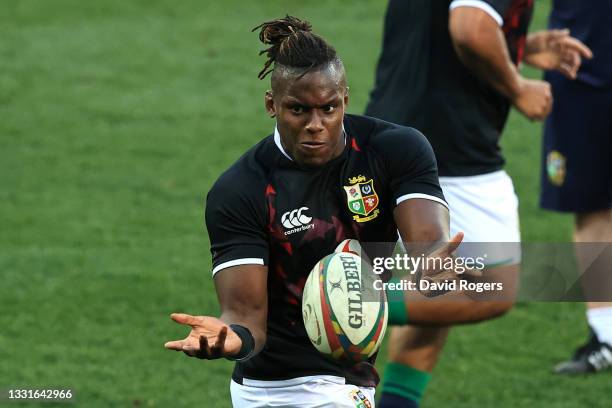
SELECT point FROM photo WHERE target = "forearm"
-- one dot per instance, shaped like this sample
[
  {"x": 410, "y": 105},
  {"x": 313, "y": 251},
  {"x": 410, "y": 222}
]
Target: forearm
[
  {"x": 480, "y": 45},
  {"x": 242, "y": 293}
]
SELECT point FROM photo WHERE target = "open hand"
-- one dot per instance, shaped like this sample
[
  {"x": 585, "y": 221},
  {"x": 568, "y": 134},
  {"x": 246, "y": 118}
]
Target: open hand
[
  {"x": 210, "y": 338},
  {"x": 556, "y": 50},
  {"x": 434, "y": 270}
]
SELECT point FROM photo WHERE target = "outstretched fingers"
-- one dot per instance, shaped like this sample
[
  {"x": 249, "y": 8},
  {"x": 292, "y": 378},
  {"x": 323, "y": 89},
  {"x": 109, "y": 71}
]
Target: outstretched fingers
[
  {"x": 205, "y": 350},
  {"x": 577, "y": 46},
  {"x": 218, "y": 347}
]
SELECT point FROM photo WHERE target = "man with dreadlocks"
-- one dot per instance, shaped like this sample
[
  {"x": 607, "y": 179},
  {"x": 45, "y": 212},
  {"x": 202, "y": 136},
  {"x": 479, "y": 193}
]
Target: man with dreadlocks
[{"x": 284, "y": 205}]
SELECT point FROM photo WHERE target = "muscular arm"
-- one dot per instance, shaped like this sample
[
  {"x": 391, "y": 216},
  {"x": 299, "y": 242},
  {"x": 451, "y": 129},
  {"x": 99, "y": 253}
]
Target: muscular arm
[
  {"x": 235, "y": 220},
  {"x": 422, "y": 221},
  {"x": 243, "y": 296},
  {"x": 481, "y": 46}
]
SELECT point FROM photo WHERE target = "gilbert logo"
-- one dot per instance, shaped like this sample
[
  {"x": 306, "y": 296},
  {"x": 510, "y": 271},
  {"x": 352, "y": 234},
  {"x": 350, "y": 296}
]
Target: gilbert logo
[{"x": 296, "y": 221}]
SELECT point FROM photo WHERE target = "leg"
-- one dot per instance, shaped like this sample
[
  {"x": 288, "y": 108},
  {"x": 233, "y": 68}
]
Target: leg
[
  {"x": 414, "y": 350},
  {"x": 408, "y": 369},
  {"x": 596, "y": 354},
  {"x": 595, "y": 227}
]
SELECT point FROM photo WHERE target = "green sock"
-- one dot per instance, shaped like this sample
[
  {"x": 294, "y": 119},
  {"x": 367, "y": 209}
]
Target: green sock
[
  {"x": 398, "y": 315},
  {"x": 405, "y": 381}
]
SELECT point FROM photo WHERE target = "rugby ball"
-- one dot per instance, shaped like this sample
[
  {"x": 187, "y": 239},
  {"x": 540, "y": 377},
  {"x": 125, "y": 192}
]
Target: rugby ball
[
  {"x": 344, "y": 315},
  {"x": 349, "y": 245}
]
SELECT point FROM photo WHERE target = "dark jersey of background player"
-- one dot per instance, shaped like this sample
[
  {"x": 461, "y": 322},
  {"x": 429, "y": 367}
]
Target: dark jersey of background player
[
  {"x": 590, "y": 22},
  {"x": 420, "y": 81},
  {"x": 267, "y": 209}
]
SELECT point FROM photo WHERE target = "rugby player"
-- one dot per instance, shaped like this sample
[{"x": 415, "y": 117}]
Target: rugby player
[
  {"x": 334, "y": 176},
  {"x": 451, "y": 69},
  {"x": 577, "y": 163}
]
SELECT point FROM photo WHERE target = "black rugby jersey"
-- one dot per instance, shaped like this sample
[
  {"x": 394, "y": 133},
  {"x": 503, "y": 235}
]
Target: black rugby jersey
[
  {"x": 267, "y": 210},
  {"x": 421, "y": 82}
]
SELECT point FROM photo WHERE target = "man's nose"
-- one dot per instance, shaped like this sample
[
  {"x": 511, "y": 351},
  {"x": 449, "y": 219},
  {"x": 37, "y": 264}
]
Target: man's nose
[{"x": 315, "y": 122}]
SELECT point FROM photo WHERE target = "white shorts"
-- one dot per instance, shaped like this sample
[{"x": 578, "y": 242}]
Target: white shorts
[
  {"x": 485, "y": 209},
  {"x": 302, "y": 392}
]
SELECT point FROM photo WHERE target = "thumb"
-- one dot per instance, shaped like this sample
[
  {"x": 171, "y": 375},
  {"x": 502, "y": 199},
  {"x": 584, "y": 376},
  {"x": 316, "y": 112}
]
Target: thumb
[
  {"x": 559, "y": 33},
  {"x": 454, "y": 243}
]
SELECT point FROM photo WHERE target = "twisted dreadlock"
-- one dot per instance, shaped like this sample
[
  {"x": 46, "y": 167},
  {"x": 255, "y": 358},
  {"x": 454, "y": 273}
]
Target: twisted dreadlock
[{"x": 293, "y": 45}]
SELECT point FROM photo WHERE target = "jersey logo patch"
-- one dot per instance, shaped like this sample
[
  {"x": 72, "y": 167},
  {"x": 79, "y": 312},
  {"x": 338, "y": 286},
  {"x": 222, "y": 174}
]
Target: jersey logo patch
[
  {"x": 362, "y": 199},
  {"x": 296, "y": 220}
]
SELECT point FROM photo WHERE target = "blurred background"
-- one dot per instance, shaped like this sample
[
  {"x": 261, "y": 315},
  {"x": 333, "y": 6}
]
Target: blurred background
[{"x": 115, "y": 119}]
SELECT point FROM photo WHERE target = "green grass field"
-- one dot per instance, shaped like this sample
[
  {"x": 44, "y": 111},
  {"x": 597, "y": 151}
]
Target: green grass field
[{"x": 115, "y": 119}]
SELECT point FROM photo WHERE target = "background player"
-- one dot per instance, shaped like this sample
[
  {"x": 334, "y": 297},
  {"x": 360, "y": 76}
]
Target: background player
[
  {"x": 451, "y": 69},
  {"x": 577, "y": 160},
  {"x": 260, "y": 266}
]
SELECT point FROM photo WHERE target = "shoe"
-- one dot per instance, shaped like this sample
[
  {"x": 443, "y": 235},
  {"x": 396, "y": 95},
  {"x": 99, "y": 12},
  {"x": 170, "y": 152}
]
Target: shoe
[{"x": 592, "y": 357}]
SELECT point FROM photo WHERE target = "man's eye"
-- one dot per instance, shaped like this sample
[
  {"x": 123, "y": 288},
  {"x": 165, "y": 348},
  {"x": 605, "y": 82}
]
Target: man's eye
[
  {"x": 329, "y": 108},
  {"x": 297, "y": 109}
]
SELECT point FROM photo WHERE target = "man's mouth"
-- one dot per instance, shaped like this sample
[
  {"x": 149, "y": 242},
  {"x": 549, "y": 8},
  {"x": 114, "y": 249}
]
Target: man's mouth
[{"x": 312, "y": 145}]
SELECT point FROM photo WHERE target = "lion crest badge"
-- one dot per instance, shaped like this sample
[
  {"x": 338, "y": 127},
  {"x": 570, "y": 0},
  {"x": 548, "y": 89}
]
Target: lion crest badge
[{"x": 362, "y": 199}]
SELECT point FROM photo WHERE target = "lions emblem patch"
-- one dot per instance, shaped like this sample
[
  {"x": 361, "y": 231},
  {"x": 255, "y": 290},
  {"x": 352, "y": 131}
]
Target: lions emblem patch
[
  {"x": 362, "y": 199},
  {"x": 555, "y": 168}
]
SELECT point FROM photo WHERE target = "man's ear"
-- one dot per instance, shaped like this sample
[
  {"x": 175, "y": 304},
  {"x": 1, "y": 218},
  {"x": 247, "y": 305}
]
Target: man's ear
[
  {"x": 346, "y": 96},
  {"x": 269, "y": 103}
]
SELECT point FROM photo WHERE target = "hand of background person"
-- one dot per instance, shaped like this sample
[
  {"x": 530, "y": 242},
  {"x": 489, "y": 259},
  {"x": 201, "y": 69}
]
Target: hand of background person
[
  {"x": 209, "y": 339},
  {"x": 533, "y": 98},
  {"x": 556, "y": 50}
]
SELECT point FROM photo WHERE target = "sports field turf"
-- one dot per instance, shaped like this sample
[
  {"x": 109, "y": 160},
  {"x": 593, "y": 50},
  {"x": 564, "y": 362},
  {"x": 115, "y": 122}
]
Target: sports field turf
[{"x": 115, "y": 119}]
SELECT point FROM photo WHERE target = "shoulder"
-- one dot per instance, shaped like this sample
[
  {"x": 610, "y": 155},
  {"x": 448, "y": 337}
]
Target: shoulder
[
  {"x": 386, "y": 137},
  {"x": 496, "y": 9},
  {"x": 246, "y": 178}
]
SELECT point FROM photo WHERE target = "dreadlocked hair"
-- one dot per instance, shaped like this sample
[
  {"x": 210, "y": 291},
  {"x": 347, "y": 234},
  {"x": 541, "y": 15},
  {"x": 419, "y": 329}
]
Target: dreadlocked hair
[{"x": 293, "y": 44}]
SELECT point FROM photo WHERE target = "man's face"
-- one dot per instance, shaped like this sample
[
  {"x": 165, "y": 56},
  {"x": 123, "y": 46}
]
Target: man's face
[{"x": 309, "y": 113}]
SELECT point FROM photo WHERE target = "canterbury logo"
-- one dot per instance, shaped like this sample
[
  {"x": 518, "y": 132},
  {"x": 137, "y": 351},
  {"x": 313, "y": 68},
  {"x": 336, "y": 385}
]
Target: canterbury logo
[{"x": 295, "y": 218}]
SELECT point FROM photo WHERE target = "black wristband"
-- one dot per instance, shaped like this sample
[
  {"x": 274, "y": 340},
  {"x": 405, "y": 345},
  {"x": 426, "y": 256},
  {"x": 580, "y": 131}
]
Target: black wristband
[{"x": 248, "y": 343}]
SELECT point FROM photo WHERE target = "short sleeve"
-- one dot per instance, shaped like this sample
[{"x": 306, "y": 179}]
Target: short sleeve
[
  {"x": 495, "y": 8},
  {"x": 411, "y": 165},
  {"x": 236, "y": 224}
]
